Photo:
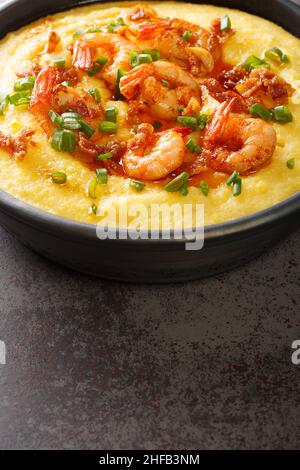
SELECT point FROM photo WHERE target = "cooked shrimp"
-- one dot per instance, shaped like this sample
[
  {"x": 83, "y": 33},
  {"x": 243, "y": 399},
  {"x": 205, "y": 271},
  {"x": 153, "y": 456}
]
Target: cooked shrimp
[
  {"x": 145, "y": 83},
  {"x": 52, "y": 43},
  {"x": 153, "y": 156},
  {"x": 238, "y": 143},
  {"x": 197, "y": 54},
  {"x": 116, "y": 48},
  {"x": 48, "y": 94}
]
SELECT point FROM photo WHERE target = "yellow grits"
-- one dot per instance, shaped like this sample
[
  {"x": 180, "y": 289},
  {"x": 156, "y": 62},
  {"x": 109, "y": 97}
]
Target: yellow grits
[{"x": 29, "y": 179}]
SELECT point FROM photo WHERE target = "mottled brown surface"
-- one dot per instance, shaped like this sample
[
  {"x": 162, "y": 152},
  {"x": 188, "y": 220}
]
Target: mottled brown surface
[{"x": 95, "y": 364}]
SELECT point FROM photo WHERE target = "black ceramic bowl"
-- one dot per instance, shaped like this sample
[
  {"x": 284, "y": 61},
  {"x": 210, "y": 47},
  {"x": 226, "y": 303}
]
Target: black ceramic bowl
[{"x": 75, "y": 244}]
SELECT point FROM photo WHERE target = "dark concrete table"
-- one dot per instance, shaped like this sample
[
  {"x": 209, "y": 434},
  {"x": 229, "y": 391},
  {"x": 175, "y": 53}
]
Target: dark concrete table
[{"x": 94, "y": 364}]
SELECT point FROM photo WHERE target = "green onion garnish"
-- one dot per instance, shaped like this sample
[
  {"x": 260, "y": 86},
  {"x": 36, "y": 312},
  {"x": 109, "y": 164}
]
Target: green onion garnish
[
  {"x": 138, "y": 59},
  {"x": 20, "y": 98},
  {"x": 92, "y": 187},
  {"x": 155, "y": 55},
  {"x": 120, "y": 74},
  {"x": 282, "y": 114},
  {"x": 4, "y": 102},
  {"x": 237, "y": 187},
  {"x": 101, "y": 174},
  {"x": 71, "y": 121},
  {"x": 78, "y": 33},
  {"x": 108, "y": 127},
  {"x": 166, "y": 84},
  {"x": 157, "y": 125},
  {"x": 111, "y": 114},
  {"x": 202, "y": 120},
  {"x": 192, "y": 146},
  {"x": 94, "y": 208},
  {"x": 180, "y": 108},
  {"x": 184, "y": 190},
  {"x": 177, "y": 183},
  {"x": 258, "y": 110},
  {"x": 186, "y": 35},
  {"x": 277, "y": 55},
  {"x": 290, "y": 163},
  {"x": 63, "y": 140},
  {"x": 253, "y": 62},
  {"x": 58, "y": 177},
  {"x": 104, "y": 156},
  {"x": 232, "y": 178},
  {"x": 137, "y": 185},
  {"x": 56, "y": 118},
  {"x": 113, "y": 25},
  {"x": 98, "y": 65},
  {"x": 204, "y": 187},
  {"x": 93, "y": 29},
  {"x": 188, "y": 121},
  {"x": 95, "y": 93},
  {"x": 225, "y": 23},
  {"x": 58, "y": 62},
  {"x": 88, "y": 130},
  {"x": 26, "y": 83}
]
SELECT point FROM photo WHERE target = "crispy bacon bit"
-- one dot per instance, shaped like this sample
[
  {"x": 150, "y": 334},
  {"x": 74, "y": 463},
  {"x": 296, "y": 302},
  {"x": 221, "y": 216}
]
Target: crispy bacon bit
[
  {"x": 53, "y": 41},
  {"x": 91, "y": 149},
  {"x": 34, "y": 69},
  {"x": 216, "y": 90},
  {"x": 230, "y": 78},
  {"x": 16, "y": 146}
]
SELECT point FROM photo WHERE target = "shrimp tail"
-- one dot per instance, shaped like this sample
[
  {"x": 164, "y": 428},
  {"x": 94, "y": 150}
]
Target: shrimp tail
[
  {"x": 43, "y": 87},
  {"x": 149, "y": 30},
  {"x": 218, "y": 124},
  {"x": 82, "y": 56},
  {"x": 130, "y": 82}
]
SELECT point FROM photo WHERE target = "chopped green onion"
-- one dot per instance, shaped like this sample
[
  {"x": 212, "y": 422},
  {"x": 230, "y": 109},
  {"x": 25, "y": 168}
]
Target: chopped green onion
[
  {"x": 4, "y": 102},
  {"x": 78, "y": 33},
  {"x": 204, "y": 187},
  {"x": 177, "y": 183},
  {"x": 202, "y": 120},
  {"x": 156, "y": 124},
  {"x": 94, "y": 208},
  {"x": 258, "y": 110},
  {"x": 120, "y": 74},
  {"x": 92, "y": 187},
  {"x": 63, "y": 140},
  {"x": 186, "y": 35},
  {"x": 70, "y": 114},
  {"x": 277, "y": 55},
  {"x": 58, "y": 62},
  {"x": 188, "y": 121},
  {"x": 232, "y": 178},
  {"x": 155, "y": 54},
  {"x": 58, "y": 177},
  {"x": 26, "y": 83},
  {"x": 93, "y": 29},
  {"x": 71, "y": 121},
  {"x": 192, "y": 146},
  {"x": 120, "y": 21},
  {"x": 104, "y": 156},
  {"x": 138, "y": 59},
  {"x": 282, "y": 114},
  {"x": 180, "y": 108},
  {"x": 56, "y": 118},
  {"x": 101, "y": 174},
  {"x": 111, "y": 114},
  {"x": 225, "y": 23},
  {"x": 184, "y": 190},
  {"x": 113, "y": 25},
  {"x": 137, "y": 185},
  {"x": 237, "y": 187},
  {"x": 167, "y": 84},
  {"x": 20, "y": 98},
  {"x": 108, "y": 127},
  {"x": 98, "y": 65},
  {"x": 290, "y": 163},
  {"x": 95, "y": 93},
  {"x": 253, "y": 62},
  {"x": 88, "y": 130}
]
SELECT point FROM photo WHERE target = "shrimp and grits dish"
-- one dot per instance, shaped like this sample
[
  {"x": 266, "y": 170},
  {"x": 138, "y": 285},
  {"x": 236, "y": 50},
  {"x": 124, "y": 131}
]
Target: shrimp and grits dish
[{"x": 162, "y": 102}]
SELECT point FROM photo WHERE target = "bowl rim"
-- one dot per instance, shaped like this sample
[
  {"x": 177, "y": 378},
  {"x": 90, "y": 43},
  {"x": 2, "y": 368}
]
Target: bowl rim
[{"x": 49, "y": 222}]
